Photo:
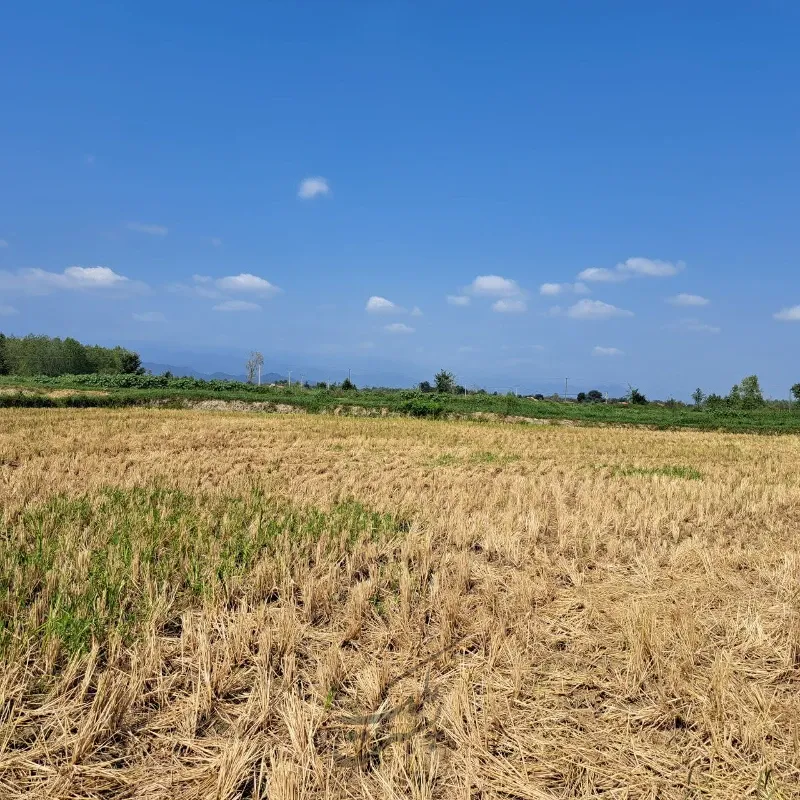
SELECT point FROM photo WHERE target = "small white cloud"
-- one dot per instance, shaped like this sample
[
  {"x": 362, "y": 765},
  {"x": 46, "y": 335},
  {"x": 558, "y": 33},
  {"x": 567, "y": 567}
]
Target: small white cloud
[
  {"x": 149, "y": 316},
  {"x": 93, "y": 277},
  {"x": 3, "y": 243},
  {"x": 380, "y": 305},
  {"x": 398, "y": 327},
  {"x": 600, "y": 275},
  {"x": 509, "y": 306},
  {"x": 237, "y": 305},
  {"x": 416, "y": 311},
  {"x": 494, "y": 286},
  {"x": 693, "y": 326},
  {"x": 246, "y": 282},
  {"x": 650, "y": 267},
  {"x": 643, "y": 267},
  {"x": 606, "y": 351},
  {"x": 8, "y": 311},
  {"x": 553, "y": 289},
  {"x": 216, "y": 241},
  {"x": 596, "y": 309},
  {"x": 40, "y": 281},
  {"x": 788, "y": 314},
  {"x": 151, "y": 230},
  {"x": 684, "y": 299},
  {"x": 311, "y": 187},
  {"x": 458, "y": 299}
]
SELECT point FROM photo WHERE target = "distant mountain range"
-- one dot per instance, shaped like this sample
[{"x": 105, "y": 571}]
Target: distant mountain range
[{"x": 188, "y": 372}]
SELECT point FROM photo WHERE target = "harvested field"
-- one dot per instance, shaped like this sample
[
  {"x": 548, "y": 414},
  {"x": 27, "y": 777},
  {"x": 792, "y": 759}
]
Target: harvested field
[{"x": 218, "y": 605}]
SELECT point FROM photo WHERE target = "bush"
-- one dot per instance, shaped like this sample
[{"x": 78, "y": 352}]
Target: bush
[{"x": 422, "y": 408}]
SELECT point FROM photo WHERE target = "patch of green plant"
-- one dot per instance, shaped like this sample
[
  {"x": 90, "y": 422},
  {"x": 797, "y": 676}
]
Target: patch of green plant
[
  {"x": 488, "y": 457},
  {"x": 79, "y": 569},
  {"x": 445, "y": 460},
  {"x": 666, "y": 471}
]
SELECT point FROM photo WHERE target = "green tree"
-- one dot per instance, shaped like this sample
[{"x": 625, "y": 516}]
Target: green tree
[
  {"x": 130, "y": 363},
  {"x": 445, "y": 382},
  {"x": 73, "y": 357},
  {"x": 735, "y": 395},
  {"x": 594, "y": 396},
  {"x": 4, "y": 367},
  {"x": 348, "y": 385},
  {"x": 635, "y": 397},
  {"x": 698, "y": 395},
  {"x": 582, "y": 397},
  {"x": 425, "y": 387},
  {"x": 751, "y": 391},
  {"x": 795, "y": 391}
]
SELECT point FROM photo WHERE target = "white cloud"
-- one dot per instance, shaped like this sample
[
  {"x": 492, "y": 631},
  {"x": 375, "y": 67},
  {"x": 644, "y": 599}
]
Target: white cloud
[
  {"x": 416, "y": 311},
  {"x": 398, "y": 327},
  {"x": 246, "y": 282},
  {"x": 493, "y": 286},
  {"x": 693, "y": 326},
  {"x": 458, "y": 299},
  {"x": 552, "y": 289},
  {"x": 149, "y": 316},
  {"x": 151, "y": 230},
  {"x": 651, "y": 267},
  {"x": 216, "y": 241},
  {"x": 788, "y": 314},
  {"x": 3, "y": 243},
  {"x": 380, "y": 305},
  {"x": 684, "y": 299},
  {"x": 237, "y": 305},
  {"x": 596, "y": 309},
  {"x": 311, "y": 187},
  {"x": 40, "y": 281},
  {"x": 606, "y": 351},
  {"x": 509, "y": 306},
  {"x": 8, "y": 311},
  {"x": 645, "y": 267},
  {"x": 600, "y": 274}
]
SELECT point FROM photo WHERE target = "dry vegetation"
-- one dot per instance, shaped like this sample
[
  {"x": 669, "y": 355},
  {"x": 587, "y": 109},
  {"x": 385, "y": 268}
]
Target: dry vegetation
[{"x": 213, "y": 606}]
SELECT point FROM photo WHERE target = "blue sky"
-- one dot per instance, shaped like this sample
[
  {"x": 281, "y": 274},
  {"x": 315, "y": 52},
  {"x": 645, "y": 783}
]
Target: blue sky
[{"x": 606, "y": 191}]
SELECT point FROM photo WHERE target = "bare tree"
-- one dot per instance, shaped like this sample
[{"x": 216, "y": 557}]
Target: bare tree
[{"x": 253, "y": 366}]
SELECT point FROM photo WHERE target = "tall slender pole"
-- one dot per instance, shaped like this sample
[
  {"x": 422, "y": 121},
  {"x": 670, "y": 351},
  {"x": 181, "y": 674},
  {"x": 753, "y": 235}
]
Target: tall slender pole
[
  {"x": 566, "y": 387},
  {"x": 259, "y": 374},
  {"x": 290, "y": 379}
]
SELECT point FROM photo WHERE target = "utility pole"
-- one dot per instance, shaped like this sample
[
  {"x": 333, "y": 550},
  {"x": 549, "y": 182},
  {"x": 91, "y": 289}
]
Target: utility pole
[
  {"x": 259, "y": 374},
  {"x": 566, "y": 387},
  {"x": 290, "y": 379}
]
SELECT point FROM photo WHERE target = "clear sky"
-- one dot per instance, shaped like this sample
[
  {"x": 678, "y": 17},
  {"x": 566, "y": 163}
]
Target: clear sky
[{"x": 515, "y": 191}]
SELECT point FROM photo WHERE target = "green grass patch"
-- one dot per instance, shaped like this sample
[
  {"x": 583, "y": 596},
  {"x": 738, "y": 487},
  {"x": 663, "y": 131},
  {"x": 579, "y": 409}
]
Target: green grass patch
[
  {"x": 488, "y": 457},
  {"x": 666, "y": 471},
  {"x": 80, "y": 570}
]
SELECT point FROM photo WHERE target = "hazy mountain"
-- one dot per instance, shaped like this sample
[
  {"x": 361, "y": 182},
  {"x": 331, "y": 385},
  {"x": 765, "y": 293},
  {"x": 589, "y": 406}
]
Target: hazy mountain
[{"x": 188, "y": 372}]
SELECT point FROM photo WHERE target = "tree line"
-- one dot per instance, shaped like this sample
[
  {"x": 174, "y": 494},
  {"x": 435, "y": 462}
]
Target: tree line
[{"x": 43, "y": 355}]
